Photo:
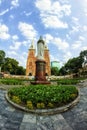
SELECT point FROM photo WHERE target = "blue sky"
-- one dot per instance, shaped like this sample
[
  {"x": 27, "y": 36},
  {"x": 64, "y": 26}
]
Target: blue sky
[{"x": 62, "y": 23}]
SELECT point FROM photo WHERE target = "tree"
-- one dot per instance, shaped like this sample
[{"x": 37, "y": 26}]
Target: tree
[
  {"x": 73, "y": 65},
  {"x": 62, "y": 71},
  {"x": 20, "y": 70},
  {"x": 54, "y": 71},
  {"x": 2, "y": 57},
  {"x": 10, "y": 65},
  {"x": 82, "y": 55}
]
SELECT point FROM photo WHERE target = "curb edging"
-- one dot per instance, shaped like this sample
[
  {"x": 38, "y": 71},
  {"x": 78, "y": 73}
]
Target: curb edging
[{"x": 45, "y": 111}]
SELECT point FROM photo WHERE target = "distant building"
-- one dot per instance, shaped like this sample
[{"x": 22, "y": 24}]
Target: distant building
[
  {"x": 31, "y": 59},
  {"x": 83, "y": 70},
  {"x": 55, "y": 64},
  {"x": 85, "y": 62}
]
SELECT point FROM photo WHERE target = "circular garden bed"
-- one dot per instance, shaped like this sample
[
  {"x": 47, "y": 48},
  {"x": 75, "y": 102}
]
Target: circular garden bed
[{"x": 43, "y": 99}]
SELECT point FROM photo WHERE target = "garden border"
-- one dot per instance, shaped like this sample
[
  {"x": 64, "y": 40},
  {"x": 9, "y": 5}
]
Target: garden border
[{"x": 45, "y": 111}]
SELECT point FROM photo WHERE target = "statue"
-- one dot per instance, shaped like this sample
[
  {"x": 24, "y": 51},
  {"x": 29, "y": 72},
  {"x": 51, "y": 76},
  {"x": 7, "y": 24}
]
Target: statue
[
  {"x": 40, "y": 75},
  {"x": 40, "y": 49}
]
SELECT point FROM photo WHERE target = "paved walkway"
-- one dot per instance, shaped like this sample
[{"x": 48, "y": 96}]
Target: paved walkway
[{"x": 74, "y": 119}]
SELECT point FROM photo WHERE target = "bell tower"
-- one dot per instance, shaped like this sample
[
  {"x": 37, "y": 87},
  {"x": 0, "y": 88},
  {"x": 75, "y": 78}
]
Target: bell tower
[
  {"x": 30, "y": 66},
  {"x": 47, "y": 60}
]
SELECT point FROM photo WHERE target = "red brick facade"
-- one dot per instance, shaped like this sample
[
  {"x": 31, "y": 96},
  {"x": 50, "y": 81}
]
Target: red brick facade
[{"x": 31, "y": 66}]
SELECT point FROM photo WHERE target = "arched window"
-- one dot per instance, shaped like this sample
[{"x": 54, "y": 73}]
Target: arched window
[
  {"x": 46, "y": 74},
  {"x": 30, "y": 74}
]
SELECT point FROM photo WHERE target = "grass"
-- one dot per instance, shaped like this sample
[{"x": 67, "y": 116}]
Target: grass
[{"x": 17, "y": 81}]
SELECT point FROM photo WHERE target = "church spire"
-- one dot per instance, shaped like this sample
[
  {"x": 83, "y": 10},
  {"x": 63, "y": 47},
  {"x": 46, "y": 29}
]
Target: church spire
[
  {"x": 32, "y": 44},
  {"x": 45, "y": 46}
]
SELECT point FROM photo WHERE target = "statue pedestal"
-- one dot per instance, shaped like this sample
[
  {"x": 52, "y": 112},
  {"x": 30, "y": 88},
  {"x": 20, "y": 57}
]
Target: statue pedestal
[{"x": 40, "y": 77}]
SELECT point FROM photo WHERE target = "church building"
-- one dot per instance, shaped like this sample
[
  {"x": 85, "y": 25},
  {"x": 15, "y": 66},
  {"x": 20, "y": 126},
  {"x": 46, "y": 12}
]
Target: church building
[{"x": 31, "y": 59}]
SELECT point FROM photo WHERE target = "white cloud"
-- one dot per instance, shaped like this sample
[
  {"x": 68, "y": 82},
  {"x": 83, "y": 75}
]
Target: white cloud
[
  {"x": 4, "y": 32},
  {"x": 85, "y": 27},
  {"x": 53, "y": 58},
  {"x": 54, "y": 22},
  {"x": 51, "y": 12},
  {"x": 25, "y": 53},
  {"x": 48, "y": 38},
  {"x": 4, "y": 12},
  {"x": 15, "y": 3},
  {"x": 27, "y": 13},
  {"x": 75, "y": 20},
  {"x": 84, "y": 4},
  {"x": 11, "y": 16},
  {"x": 0, "y": 1},
  {"x": 67, "y": 56},
  {"x": 81, "y": 38},
  {"x": 75, "y": 26},
  {"x": 15, "y": 37},
  {"x": 10, "y": 53},
  {"x": 67, "y": 36},
  {"x": 61, "y": 44},
  {"x": 43, "y": 5},
  {"x": 16, "y": 46},
  {"x": 84, "y": 48},
  {"x": 25, "y": 43},
  {"x": 27, "y": 30},
  {"x": 76, "y": 45},
  {"x": 85, "y": 11},
  {"x": 64, "y": 1},
  {"x": 53, "y": 7},
  {"x": 74, "y": 30},
  {"x": 22, "y": 59},
  {"x": 66, "y": 9}
]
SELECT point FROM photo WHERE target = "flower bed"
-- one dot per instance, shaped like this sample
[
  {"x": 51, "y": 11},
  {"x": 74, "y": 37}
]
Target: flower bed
[{"x": 43, "y": 96}]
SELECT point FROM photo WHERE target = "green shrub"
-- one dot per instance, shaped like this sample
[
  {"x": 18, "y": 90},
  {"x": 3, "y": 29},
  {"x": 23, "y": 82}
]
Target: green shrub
[
  {"x": 68, "y": 81},
  {"x": 9, "y": 81},
  {"x": 43, "y": 96}
]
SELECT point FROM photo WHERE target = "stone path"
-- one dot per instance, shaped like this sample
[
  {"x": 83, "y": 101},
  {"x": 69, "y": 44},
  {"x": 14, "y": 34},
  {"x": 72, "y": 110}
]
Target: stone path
[{"x": 74, "y": 119}]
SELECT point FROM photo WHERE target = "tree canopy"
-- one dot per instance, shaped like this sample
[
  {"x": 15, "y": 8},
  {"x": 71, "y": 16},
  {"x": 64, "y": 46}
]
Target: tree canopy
[
  {"x": 2, "y": 56},
  {"x": 54, "y": 71},
  {"x": 73, "y": 65},
  {"x": 10, "y": 65}
]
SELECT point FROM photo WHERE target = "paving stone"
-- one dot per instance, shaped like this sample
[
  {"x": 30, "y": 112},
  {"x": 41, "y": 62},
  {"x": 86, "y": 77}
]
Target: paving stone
[
  {"x": 3, "y": 129},
  {"x": 9, "y": 108},
  {"x": 29, "y": 118},
  {"x": 73, "y": 119},
  {"x": 57, "y": 117},
  {"x": 16, "y": 116},
  {"x": 48, "y": 125},
  {"x": 0, "y": 117},
  {"x": 61, "y": 124},
  {"x": 28, "y": 126}
]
